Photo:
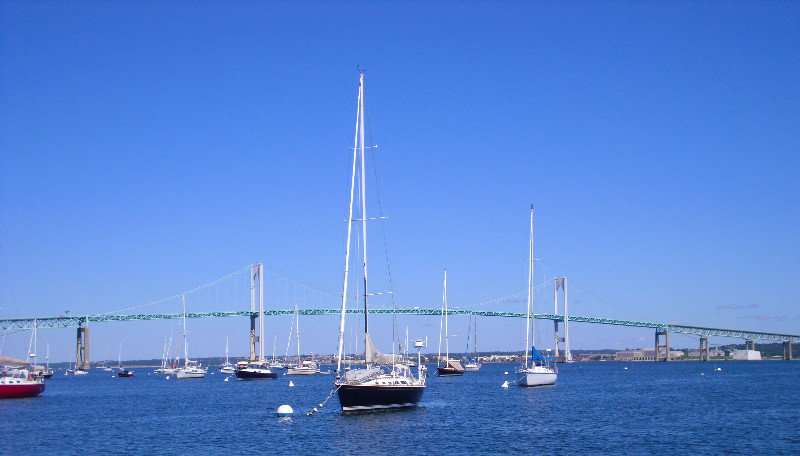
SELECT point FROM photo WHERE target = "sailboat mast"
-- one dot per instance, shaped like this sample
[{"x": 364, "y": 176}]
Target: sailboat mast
[
  {"x": 261, "y": 312},
  {"x": 528, "y": 329},
  {"x": 349, "y": 232},
  {"x": 185, "y": 346},
  {"x": 363, "y": 204},
  {"x": 297, "y": 332},
  {"x": 446, "y": 336},
  {"x": 441, "y": 319}
]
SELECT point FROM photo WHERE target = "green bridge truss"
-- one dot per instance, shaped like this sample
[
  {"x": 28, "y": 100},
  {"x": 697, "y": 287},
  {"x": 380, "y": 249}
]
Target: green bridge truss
[{"x": 17, "y": 324}]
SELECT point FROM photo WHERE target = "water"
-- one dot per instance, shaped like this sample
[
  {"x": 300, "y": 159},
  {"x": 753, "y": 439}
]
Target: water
[{"x": 595, "y": 408}]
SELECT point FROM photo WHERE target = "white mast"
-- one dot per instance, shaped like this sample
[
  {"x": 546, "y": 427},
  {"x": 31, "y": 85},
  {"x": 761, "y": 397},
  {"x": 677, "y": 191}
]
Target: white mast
[
  {"x": 528, "y": 328},
  {"x": 363, "y": 212},
  {"x": 226, "y": 350},
  {"x": 185, "y": 346},
  {"x": 349, "y": 228},
  {"x": 441, "y": 319},
  {"x": 297, "y": 333},
  {"x": 47, "y": 356},
  {"x": 119, "y": 355},
  {"x": 446, "y": 336}
]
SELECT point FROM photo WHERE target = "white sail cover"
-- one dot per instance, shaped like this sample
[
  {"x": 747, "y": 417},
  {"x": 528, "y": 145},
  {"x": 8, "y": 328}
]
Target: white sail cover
[{"x": 373, "y": 356}]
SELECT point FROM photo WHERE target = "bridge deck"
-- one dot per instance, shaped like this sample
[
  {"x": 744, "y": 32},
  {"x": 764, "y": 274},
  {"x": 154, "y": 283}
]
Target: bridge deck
[{"x": 77, "y": 321}]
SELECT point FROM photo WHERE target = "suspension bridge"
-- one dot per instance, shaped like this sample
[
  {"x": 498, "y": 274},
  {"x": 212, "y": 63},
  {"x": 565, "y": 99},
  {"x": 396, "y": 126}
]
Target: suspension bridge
[{"x": 82, "y": 322}]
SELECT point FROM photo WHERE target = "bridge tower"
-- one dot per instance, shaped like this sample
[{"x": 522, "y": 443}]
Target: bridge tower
[
  {"x": 561, "y": 283},
  {"x": 256, "y": 270},
  {"x": 787, "y": 350},
  {"x": 704, "y": 353},
  {"x": 659, "y": 333},
  {"x": 82, "y": 346}
]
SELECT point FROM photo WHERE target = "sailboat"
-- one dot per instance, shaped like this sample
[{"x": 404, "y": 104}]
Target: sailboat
[
  {"x": 122, "y": 372},
  {"x": 257, "y": 369},
  {"x": 190, "y": 369},
  {"x": 275, "y": 364},
  {"x": 385, "y": 382},
  {"x": 104, "y": 367},
  {"x": 472, "y": 364},
  {"x": 227, "y": 368},
  {"x": 303, "y": 367},
  {"x": 451, "y": 367},
  {"x": 47, "y": 372},
  {"x": 536, "y": 370}
]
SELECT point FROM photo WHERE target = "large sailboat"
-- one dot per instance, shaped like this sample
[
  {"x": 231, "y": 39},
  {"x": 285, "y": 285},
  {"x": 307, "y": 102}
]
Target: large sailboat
[
  {"x": 385, "y": 382},
  {"x": 190, "y": 369},
  {"x": 451, "y": 367},
  {"x": 256, "y": 368},
  {"x": 536, "y": 370}
]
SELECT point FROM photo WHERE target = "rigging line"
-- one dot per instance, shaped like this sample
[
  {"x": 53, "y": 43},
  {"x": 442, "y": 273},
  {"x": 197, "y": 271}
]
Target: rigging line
[
  {"x": 194, "y": 290},
  {"x": 301, "y": 283},
  {"x": 505, "y": 298},
  {"x": 628, "y": 312}
]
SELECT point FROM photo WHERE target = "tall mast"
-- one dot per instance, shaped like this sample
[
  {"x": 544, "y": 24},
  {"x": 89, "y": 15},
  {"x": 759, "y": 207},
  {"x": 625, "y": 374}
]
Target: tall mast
[
  {"x": 297, "y": 332},
  {"x": 185, "y": 346},
  {"x": 441, "y": 318},
  {"x": 528, "y": 328},
  {"x": 349, "y": 231},
  {"x": 363, "y": 205},
  {"x": 446, "y": 337},
  {"x": 261, "y": 312},
  {"x": 226, "y": 350}
]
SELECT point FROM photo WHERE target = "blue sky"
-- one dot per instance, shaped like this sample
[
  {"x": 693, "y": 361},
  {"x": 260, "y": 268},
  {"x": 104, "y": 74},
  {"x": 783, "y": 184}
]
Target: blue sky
[{"x": 150, "y": 147}]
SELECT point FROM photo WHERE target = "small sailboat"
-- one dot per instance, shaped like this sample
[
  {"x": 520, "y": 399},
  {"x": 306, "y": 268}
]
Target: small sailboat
[
  {"x": 122, "y": 372},
  {"x": 451, "y": 367},
  {"x": 190, "y": 369},
  {"x": 275, "y": 364},
  {"x": 303, "y": 367},
  {"x": 536, "y": 370},
  {"x": 47, "y": 372},
  {"x": 227, "y": 368},
  {"x": 385, "y": 382},
  {"x": 473, "y": 365}
]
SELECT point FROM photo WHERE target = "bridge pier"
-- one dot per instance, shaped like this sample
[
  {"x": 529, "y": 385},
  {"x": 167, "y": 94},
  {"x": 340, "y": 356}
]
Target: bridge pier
[
  {"x": 704, "y": 353},
  {"x": 561, "y": 283},
  {"x": 750, "y": 345},
  {"x": 787, "y": 350},
  {"x": 659, "y": 333},
  {"x": 82, "y": 349}
]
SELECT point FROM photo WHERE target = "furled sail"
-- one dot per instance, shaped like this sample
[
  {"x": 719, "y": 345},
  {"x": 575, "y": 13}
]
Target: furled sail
[{"x": 373, "y": 356}]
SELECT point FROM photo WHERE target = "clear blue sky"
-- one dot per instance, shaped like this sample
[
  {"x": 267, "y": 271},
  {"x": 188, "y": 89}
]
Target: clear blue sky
[{"x": 150, "y": 147}]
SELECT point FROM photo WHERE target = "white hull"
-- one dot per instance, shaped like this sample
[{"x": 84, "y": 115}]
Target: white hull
[
  {"x": 80, "y": 372},
  {"x": 537, "y": 377},
  {"x": 302, "y": 371},
  {"x": 472, "y": 367},
  {"x": 227, "y": 370},
  {"x": 190, "y": 374}
]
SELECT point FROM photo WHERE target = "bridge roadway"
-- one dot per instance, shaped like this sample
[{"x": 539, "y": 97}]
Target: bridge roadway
[{"x": 17, "y": 324}]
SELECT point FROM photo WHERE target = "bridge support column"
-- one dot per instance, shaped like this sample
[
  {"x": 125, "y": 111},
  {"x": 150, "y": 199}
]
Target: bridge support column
[
  {"x": 787, "y": 350},
  {"x": 659, "y": 333},
  {"x": 82, "y": 349},
  {"x": 704, "y": 355},
  {"x": 562, "y": 283},
  {"x": 750, "y": 345}
]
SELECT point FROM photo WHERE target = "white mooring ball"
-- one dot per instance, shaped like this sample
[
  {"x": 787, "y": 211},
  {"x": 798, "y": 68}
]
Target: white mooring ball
[{"x": 285, "y": 410}]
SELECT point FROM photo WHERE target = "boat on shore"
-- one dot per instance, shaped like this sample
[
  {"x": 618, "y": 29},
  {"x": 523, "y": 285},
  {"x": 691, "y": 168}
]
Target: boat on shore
[{"x": 19, "y": 382}]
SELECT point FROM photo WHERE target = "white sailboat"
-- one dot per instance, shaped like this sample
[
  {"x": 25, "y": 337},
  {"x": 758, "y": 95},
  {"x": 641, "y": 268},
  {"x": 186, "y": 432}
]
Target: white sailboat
[
  {"x": 473, "y": 365},
  {"x": 536, "y": 370},
  {"x": 451, "y": 367},
  {"x": 227, "y": 368},
  {"x": 190, "y": 369},
  {"x": 385, "y": 382},
  {"x": 303, "y": 367}
]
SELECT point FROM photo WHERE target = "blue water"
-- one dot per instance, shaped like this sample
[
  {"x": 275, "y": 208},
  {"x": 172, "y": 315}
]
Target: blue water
[{"x": 595, "y": 408}]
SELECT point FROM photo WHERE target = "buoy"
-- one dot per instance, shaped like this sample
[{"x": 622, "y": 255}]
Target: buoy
[
  {"x": 626, "y": 368},
  {"x": 505, "y": 384},
  {"x": 505, "y": 373},
  {"x": 290, "y": 383},
  {"x": 167, "y": 377},
  {"x": 285, "y": 410},
  {"x": 719, "y": 369},
  {"x": 702, "y": 373},
  {"x": 226, "y": 379}
]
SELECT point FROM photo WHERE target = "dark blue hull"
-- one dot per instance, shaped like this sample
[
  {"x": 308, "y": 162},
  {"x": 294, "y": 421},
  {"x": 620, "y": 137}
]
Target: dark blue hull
[{"x": 354, "y": 398}]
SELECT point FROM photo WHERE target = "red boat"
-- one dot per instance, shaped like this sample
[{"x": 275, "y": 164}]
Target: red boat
[{"x": 15, "y": 382}]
